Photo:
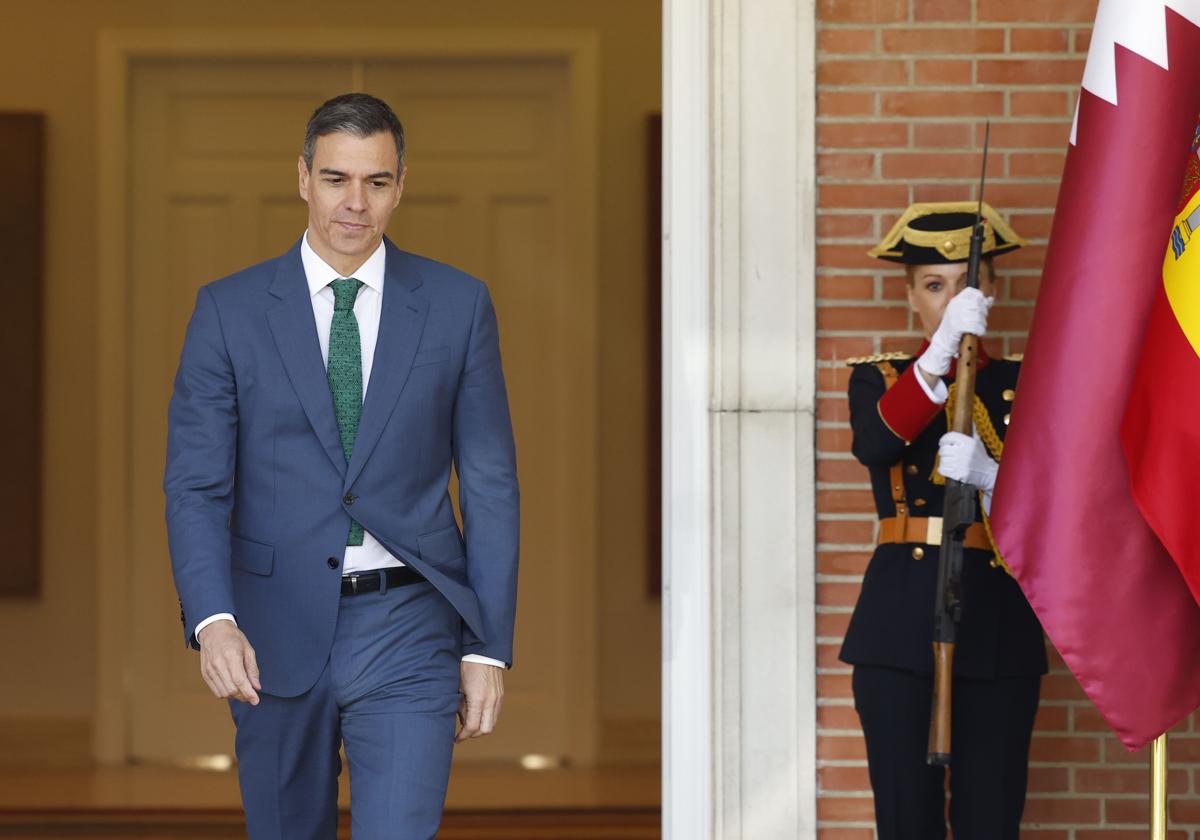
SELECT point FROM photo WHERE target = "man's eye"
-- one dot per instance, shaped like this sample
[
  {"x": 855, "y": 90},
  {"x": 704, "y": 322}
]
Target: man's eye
[
  {"x": 934, "y": 287},
  {"x": 333, "y": 180}
]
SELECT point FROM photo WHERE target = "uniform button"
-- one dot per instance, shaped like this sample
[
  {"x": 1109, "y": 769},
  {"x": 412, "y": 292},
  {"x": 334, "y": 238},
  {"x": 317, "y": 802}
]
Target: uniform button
[
  {"x": 918, "y": 553},
  {"x": 332, "y": 562},
  {"x": 919, "y": 502},
  {"x": 912, "y": 469},
  {"x": 1008, "y": 394},
  {"x": 1007, "y": 417},
  {"x": 349, "y": 498}
]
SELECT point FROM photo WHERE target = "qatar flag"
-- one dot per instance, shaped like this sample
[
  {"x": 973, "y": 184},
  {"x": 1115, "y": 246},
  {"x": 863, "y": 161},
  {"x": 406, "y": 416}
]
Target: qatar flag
[{"x": 1064, "y": 516}]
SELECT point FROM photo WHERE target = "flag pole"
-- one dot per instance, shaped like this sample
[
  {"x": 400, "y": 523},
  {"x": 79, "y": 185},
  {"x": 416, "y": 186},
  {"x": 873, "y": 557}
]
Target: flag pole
[{"x": 1158, "y": 788}]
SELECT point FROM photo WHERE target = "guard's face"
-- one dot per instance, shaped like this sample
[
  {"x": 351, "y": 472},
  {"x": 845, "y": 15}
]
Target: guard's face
[
  {"x": 354, "y": 186},
  {"x": 931, "y": 287}
]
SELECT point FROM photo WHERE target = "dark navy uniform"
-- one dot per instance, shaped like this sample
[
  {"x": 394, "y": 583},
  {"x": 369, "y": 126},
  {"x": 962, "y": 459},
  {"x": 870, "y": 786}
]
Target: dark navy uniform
[{"x": 1000, "y": 655}]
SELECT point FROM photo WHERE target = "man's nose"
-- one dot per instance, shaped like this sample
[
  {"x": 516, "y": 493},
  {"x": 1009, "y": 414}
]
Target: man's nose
[{"x": 356, "y": 196}]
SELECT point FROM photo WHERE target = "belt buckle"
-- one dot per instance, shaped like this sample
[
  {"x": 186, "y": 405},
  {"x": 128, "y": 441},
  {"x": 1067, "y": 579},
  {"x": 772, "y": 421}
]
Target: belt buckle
[
  {"x": 933, "y": 531},
  {"x": 353, "y": 584}
]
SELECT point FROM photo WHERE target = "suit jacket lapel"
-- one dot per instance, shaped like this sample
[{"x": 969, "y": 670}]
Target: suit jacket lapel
[
  {"x": 401, "y": 323},
  {"x": 295, "y": 332}
]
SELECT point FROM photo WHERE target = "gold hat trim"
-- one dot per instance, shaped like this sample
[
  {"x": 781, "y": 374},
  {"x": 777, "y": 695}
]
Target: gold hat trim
[{"x": 951, "y": 244}]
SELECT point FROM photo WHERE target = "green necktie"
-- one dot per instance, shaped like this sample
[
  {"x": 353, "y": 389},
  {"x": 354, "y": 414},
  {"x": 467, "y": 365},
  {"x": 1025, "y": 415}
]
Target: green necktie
[{"x": 345, "y": 374}]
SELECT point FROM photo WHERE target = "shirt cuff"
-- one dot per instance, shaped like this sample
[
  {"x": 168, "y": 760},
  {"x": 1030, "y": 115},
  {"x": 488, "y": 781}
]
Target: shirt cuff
[
  {"x": 483, "y": 660},
  {"x": 210, "y": 620},
  {"x": 907, "y": 406},
  {"x": 937, "y": 393}
]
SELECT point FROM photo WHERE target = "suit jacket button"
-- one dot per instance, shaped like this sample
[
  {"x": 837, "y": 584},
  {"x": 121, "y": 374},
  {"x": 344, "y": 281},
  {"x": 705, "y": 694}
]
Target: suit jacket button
[
  {"x": 332, "y": 562},
  {"x": 349, "y": 498},
  {"x": 918, "y": 553}
]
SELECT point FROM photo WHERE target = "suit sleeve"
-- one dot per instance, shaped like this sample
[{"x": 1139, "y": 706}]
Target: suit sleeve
[
  {"x": 201, "y": 449},
  {"x": 486, "y": 462}
]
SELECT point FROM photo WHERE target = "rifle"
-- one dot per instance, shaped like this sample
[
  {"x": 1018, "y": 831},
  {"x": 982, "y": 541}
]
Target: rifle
[{"x": 958, "y": 514}]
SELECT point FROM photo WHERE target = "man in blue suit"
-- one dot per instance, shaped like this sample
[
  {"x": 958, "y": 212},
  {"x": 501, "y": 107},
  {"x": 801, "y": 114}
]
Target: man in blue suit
[{"x": 320, "y": 401}]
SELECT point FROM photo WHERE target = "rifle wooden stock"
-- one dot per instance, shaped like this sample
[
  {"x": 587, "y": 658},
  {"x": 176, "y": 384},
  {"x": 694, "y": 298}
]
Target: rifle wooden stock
[
  {"x": 955, "y": 522},
  {"x": 939, "y": 723},
  {"x": 964, "y": 376}
]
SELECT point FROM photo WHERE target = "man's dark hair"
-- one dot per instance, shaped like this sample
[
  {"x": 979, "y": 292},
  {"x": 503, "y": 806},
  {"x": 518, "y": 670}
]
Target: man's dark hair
[{"x": 359, "y": 114}]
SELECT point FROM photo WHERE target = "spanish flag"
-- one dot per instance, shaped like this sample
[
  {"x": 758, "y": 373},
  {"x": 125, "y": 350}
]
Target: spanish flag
[
  {"x": 1161, "y": 432},
  {"x": 1106, "y": 336}
]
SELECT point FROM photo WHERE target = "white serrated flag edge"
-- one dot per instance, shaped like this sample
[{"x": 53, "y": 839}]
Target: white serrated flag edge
[{"x": 1139, "y": 26}]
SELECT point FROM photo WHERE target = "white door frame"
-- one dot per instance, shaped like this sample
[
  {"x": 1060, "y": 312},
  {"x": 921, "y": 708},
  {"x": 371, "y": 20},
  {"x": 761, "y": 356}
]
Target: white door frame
[
  {"x": 688, "y": 718},
  {"x": 117, "y": 50},
  {"x": 739, "y": 380}
]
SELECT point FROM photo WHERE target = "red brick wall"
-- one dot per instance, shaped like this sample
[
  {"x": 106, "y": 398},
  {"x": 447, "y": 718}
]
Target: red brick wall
[{"x": 903, "y": 87}]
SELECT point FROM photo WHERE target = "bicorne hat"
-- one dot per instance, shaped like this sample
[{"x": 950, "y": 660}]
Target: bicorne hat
[{"x": 934, "y": 233}]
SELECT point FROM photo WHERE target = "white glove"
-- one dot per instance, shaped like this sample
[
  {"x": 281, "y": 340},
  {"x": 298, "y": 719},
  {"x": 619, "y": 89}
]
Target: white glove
[
  {"x": 966, "y": 459},
  {"x": 966, "y": 313}
]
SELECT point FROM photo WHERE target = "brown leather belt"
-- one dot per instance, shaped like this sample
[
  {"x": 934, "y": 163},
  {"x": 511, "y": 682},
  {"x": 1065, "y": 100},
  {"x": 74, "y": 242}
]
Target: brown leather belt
[{"x": 927, "y": 530}]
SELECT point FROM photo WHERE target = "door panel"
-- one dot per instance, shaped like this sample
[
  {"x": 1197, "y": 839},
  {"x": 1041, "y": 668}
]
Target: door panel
[{"x": 213, "y": 189}]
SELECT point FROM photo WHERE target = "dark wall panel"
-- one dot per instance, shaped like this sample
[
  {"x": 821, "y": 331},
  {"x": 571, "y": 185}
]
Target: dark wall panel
[{"x": 21, "y": 221}]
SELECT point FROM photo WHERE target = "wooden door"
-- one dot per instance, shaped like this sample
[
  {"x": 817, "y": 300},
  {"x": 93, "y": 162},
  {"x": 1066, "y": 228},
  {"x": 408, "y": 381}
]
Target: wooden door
[{"x": 213, "y": 188}]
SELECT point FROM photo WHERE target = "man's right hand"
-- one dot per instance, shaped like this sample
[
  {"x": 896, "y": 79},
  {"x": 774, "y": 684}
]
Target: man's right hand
[{"x": 227, "y": 662}]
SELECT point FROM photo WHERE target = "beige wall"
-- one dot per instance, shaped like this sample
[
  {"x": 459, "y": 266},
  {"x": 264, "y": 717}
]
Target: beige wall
[{"x": 49, "y": 65}]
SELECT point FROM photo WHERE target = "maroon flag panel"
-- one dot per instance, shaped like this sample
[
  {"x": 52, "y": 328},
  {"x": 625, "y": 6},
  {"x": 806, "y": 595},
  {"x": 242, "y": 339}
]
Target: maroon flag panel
[{"x": 1108, "y": 594}]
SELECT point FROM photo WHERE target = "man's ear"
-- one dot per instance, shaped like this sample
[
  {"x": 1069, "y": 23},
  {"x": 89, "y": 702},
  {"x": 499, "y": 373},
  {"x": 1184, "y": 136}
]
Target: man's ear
[
  {"x": 400, "y": 183},
  {"x": 303, "y": 173}
]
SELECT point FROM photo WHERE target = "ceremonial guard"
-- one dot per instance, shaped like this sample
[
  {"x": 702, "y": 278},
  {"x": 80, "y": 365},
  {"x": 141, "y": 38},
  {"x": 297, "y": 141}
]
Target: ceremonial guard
[{"x": 899, "y": 405}]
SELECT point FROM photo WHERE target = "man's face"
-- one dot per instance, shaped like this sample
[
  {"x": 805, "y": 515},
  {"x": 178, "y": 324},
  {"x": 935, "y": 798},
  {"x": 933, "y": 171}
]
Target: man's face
[
  {"x": 351, "y": 192},
  {"x": 932, "y": 286}
]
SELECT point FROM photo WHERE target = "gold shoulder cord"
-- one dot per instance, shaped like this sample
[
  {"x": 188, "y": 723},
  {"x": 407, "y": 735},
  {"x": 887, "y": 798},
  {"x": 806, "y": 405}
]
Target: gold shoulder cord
[
  {"x": 997, "y": 558},
  {"x": 995, "y": 447}
]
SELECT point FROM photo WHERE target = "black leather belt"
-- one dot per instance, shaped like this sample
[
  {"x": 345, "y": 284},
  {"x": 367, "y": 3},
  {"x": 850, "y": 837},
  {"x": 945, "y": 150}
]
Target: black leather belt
[{"x": 361, "y": 582}]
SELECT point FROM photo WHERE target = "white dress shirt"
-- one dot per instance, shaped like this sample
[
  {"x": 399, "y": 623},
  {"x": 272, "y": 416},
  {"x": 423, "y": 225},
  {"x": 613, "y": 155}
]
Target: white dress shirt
[{"x": 371, "y": 554}]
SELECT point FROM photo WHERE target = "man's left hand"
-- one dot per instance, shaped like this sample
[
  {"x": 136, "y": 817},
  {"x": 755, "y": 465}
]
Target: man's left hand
[{"x": 483, "y": 691}]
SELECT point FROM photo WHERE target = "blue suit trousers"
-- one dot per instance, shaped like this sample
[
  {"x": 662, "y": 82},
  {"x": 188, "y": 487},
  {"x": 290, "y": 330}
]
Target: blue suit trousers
[{"x": 389, "y": 693}]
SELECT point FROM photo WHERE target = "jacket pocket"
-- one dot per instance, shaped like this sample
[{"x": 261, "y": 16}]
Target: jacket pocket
[
  {"x": 433, "y": 356},
  {"x": 441, "y": 546},
  {"x": 250, "y": 556}
]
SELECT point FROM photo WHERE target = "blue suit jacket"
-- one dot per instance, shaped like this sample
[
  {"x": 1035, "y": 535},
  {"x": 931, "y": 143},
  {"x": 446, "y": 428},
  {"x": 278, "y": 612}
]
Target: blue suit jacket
[{"x": 259, "y": 494}]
